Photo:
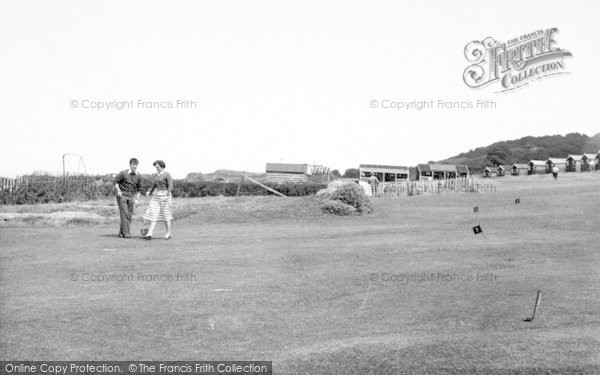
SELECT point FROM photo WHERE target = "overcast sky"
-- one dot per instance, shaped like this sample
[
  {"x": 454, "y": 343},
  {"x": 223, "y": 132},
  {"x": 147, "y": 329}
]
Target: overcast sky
[{"x": 274, "y": 81}]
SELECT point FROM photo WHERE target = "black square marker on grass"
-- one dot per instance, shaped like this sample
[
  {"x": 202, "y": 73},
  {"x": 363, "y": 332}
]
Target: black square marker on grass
[
  {"x": 476, "y": 209},
  {"x": 517, "y": 201},
  {"x": 477, "y": 229}
]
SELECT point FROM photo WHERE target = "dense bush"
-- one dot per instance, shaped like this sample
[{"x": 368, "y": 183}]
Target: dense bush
[
  {"x": 47, "y": 193},
  {"x": 53, "y": 190},
  {"x": 337, "y": 208},
  {"x": 209, "y": 188},
  {"x": 336, "y": 197}
]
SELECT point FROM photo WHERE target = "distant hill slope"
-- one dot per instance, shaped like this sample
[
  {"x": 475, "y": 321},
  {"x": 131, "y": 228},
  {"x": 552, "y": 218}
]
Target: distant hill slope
[
  {"x": 527, "y": 148},
  {"x": 221, "y": 175}
]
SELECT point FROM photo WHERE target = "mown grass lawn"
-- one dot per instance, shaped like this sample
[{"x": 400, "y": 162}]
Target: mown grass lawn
[{"x": 270, "y": 279}]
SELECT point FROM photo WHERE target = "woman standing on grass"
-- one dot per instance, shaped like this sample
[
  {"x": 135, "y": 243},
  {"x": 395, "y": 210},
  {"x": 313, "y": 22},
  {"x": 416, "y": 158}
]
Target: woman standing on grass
[{"x": 159, "y": 208}]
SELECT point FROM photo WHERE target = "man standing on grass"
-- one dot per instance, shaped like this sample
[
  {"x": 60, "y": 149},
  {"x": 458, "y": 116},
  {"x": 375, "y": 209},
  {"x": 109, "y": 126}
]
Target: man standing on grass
[
  {"x": 128, "y": 185},
  {"x": 374, "y": 182}
]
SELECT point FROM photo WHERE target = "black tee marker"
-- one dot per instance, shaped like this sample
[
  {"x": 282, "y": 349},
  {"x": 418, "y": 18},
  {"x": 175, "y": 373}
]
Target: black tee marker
[
  {"x": 538, "y": 299},
  {"x": 477, "y": 229},
  {"x": 517, "y": 201},
  {"x": 476, "y": 209}
]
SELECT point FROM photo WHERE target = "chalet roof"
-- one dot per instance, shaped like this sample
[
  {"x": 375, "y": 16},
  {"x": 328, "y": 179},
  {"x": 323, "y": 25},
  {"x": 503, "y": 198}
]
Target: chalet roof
[
  {"x": 462, "y": 169},
  {"x": 424, "y": 167},
  {"x": 537, "y": 162},
  {"x": 575, "y": 157},
  {"x": 520, "y": 166},
  {"x": 287, "y": 168},
  {"x": 377, "y": 166},
  {"x": 443, "y": 167},
  {"x": 591, "y": 156},
  {"x": 557, "y": 160},
  {"x": 501, "y": 167}
]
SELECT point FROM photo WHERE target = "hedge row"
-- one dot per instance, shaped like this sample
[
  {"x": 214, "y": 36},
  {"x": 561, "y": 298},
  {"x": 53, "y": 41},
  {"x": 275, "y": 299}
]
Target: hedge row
[
  {"x": 47, "y": 192},
  {"x": 202, "y": 189}
]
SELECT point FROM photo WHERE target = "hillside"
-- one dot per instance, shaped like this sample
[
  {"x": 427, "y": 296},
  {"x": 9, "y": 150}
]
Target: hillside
[
  {"x": 527, "y": 148},
  {"x": 221, "y": 175}
]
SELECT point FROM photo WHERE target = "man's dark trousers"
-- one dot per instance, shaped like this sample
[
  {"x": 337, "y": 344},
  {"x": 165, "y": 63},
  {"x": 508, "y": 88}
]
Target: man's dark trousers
[{"x": 126, "y": 211}]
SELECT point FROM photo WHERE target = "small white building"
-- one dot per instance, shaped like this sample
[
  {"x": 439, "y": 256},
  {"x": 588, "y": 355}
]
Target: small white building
[
  {"x": 537, "y": 167},
  {"x": 384, "y": 173},
  {"x": 519, "y": 169},
  {"x": 560, "y": 163},
  {"x": 293, "y": 173},
  {"x": 590, "y": 162},
  {"x": 574, "y": 163}
]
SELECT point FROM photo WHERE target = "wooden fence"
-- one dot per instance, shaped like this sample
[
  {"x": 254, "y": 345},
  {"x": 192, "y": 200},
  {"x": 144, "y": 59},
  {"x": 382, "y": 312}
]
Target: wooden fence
[
  {"x": 407, "y": 188},
  {"x": 79, "y": 182},
  {"x": 10, "y": 184}
]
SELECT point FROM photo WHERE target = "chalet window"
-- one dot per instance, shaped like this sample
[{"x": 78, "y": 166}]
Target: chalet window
[
  {"x": 401, "y": 176},
  {"x": 390, "y": 177}
]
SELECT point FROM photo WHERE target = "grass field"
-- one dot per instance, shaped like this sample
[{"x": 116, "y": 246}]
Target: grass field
[{"x": 267, "y": 278}]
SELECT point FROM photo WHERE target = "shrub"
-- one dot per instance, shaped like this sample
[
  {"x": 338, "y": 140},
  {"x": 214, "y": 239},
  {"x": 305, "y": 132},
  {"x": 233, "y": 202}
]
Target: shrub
[
  {"x": 353, "y": 195},
  {"x": 349, "y": 194},
  {"x": 337, "y": 208},
  {"x": 213, "y": 188}
]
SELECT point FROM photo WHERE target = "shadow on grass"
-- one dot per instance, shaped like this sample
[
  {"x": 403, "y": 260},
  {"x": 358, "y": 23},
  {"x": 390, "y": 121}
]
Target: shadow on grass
[{"x": 109, "y": 235}]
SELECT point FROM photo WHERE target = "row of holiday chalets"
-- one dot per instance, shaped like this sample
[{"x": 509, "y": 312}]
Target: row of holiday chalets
[
  {"x": 572, "y": 163},
  {"x": 436, "y": 171}
]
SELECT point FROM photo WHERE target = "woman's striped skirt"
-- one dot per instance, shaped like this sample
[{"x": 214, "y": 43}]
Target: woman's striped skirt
[{"x": 159, "y": 207}]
